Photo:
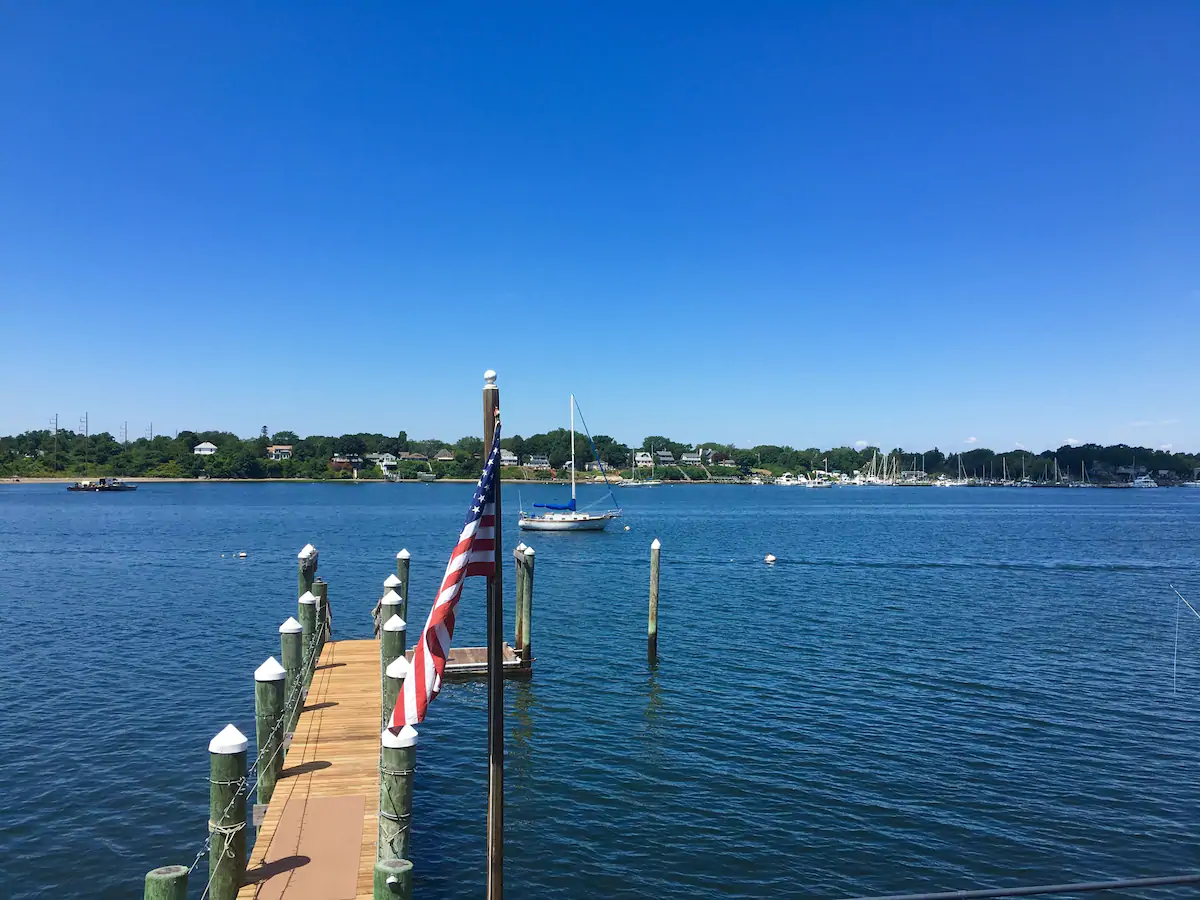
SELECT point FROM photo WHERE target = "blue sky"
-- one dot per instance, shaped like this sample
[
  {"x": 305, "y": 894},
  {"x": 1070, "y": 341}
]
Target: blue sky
[{"x": 904, "y": 223}]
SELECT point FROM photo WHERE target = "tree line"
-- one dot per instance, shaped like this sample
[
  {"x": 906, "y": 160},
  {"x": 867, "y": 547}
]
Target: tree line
[{"x": 70, "y": 454}]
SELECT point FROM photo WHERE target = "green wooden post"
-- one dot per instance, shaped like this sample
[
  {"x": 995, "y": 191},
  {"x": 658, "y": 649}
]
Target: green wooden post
[
  {"x": 291, "y": 652},
  {"x": 166, "y": 883},
  {"x": 391, "y": 646},
  {"x": 389, "y": 605},
  {"x": 391, "y": 586},
  {"x": 308, "y": 626},
  {"x": 307, "y": 566},
  {"x": 402, "y": 559},
  {"x": 518, "y": 607},
  {"x": 397, "y": 762},
  {"x": 393, "y": 684},
  {"x": 226, "y": 813},
  {"x": 393, "y": 880},
  {"x": 525, "y": 600},
  {"x": 268, "y": 710},
  {"x": 652, "y": 628},
  {"x": 320, "y": 590}
]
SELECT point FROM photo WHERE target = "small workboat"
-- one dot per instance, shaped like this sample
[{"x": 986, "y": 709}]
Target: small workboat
[{"x": 102, "y": 485}]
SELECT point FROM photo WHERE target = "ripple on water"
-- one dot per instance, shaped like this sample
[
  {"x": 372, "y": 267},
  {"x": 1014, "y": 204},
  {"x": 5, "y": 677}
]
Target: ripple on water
[{"x": 928, "y": 690}]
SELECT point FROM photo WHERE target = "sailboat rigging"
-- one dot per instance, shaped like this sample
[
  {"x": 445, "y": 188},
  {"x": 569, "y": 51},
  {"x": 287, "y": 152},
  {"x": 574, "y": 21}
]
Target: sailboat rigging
[{"x": 565, "y": 517}]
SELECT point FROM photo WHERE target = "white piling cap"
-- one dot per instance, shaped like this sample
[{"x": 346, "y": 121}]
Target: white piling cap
[
  {"x": 309, "y": 550},
  {"x": 406, "y": 738},
  {"x": 228, "y": 742},
  {"x": 490, "y": 377},
  {"x": 271, "y": 670},
  {"x": 391, "y": 598},
  {"x": 656, "y": 545},
  {"x": 529, "y": 551},
  {"x": 397, "y": 668},
  {"x": 291, "y": 626},
  {"x": 403, "y": 554},
  {"x": 395, "y": 623},
  {"x": 521, "y": 546},
  {"x": 392, "y": 582},
  {"x": 308, "y": 598}
]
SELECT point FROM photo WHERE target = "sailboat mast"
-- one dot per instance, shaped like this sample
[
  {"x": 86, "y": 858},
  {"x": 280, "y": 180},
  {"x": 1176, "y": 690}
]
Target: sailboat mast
[{"x": 572, "y": 448}]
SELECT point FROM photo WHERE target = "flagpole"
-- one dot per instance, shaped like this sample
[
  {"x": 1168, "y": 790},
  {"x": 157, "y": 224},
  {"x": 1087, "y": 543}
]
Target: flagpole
[{"x": 495, "y": 656}]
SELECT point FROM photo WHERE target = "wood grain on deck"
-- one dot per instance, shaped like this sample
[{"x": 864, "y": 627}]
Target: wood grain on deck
[{"x": 334, "y": 754}]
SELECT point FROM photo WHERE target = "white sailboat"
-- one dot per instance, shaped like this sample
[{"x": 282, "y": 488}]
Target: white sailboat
[
  {"x": 566, "y": 517},
  {"x": 633, "y": 479}
]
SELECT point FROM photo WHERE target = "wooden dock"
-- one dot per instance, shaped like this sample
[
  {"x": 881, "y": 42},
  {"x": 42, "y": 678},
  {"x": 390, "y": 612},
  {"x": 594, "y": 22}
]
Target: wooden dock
[{"x": 318, "y": 838}]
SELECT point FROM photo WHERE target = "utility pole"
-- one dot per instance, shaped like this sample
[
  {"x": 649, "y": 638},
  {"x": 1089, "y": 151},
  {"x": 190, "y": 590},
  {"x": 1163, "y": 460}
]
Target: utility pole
[{"x": 56, "y": 442}]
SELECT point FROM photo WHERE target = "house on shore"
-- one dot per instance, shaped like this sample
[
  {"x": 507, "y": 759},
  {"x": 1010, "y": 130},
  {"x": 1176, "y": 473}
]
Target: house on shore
[
  {"x": 279, "y": 451},
  {"x": 538, "y": 461},
  {"x": 444, "y": 456},
  {"x": 643, "y": 460},
  {"x": 204, "y": 448},
  {"x": 664, "y": 457},
  {"x": 692, "y": 458},
  {"x": 508, "y": 458}
]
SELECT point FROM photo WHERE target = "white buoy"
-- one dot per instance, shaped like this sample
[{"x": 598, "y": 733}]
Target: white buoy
[
  {"x": 769, "y": 559},
  {"x": 626, "y": 527},
  {"x": 242, "y": 555}
]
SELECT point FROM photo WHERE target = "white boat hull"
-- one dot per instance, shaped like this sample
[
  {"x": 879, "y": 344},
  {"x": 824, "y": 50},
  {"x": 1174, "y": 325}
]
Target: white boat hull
[{"x": 567, "y": 522}]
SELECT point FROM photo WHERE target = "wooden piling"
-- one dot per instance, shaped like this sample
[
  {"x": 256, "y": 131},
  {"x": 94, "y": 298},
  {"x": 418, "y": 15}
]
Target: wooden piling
[
  {"x": 391, "y": 646},
  {"x": 518, "y": 607},
  {"x": 226, "y": 813},
  {"x": 525, "y": 602},
  {"x": 320, "y": 590},
  {"x": 166, "y": 883},
  {"x": 652, "y": 628},
  {"x": 291, "y": 652},
  {"x": 308, "y": 625},
  {"x": 393, "y": 680},
  {"x": 307, "y": 569},
  {"x": 389, "y": 605},
  {"x": 398, "y": 762},
  {"x": 393, "y": 880},
  {"x": 402, "y": 559},
  {"x": 268, "y": 710}
]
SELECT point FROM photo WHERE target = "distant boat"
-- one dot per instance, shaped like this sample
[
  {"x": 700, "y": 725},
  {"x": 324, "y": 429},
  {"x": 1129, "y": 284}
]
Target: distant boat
[
  {"x": 566, "y": 517},
  {"x": 633, "y": 479},
  {"x": 1144, "y": 481},
  {"x": 102, "y": 485}
]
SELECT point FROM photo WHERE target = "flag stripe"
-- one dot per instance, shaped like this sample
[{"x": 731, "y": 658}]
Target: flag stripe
[{"x": 473, "y": 554}]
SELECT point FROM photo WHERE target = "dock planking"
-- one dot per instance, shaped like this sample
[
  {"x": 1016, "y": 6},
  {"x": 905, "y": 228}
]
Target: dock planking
[{"x": 305, "y": 848}]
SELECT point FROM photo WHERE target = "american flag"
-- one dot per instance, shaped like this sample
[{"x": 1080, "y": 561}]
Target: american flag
[{"x": 474, "y": 554}]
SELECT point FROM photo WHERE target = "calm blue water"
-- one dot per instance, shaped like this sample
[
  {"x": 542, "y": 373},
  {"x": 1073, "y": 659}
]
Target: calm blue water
[{"x": 931, "y": 689}]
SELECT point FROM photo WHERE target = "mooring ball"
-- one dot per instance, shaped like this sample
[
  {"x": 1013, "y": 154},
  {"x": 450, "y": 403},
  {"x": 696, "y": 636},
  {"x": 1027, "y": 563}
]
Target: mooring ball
[{"x": 769, "y": 558}]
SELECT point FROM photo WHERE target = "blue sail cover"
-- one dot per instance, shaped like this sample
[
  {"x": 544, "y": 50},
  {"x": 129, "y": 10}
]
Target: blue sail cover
[{"x": 570, "y": 507}]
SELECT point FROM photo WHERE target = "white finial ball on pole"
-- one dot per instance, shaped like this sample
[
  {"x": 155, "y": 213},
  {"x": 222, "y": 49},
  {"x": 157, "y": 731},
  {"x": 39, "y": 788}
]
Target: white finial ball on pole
[{"x": 489, "y": 378}]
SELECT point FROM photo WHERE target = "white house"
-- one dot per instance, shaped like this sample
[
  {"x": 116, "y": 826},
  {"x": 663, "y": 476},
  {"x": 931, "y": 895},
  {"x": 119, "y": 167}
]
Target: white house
[
  {"x": 279, "y": 451},
  {"x": 643, "y": 460},
  {"x": 594, "y": 466},
  {"x": 691, "y": 459},
  {"x": 508, "y": 458},
  {"x": 539, "y": 461},
  {"x": 204, "y": 449}
]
